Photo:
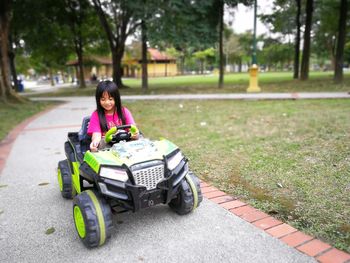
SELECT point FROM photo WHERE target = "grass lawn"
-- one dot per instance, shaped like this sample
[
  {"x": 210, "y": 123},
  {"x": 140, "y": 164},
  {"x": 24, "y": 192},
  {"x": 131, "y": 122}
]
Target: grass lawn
[
  {"x": 234, "y": 83},
  {"x": 13, "y": 114},
  {"x": 289, "y": 158}
]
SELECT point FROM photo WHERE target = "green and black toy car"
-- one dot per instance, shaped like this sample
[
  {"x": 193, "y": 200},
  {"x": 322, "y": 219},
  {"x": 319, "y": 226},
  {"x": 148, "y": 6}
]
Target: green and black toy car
[{"x": 128, "y": 175}]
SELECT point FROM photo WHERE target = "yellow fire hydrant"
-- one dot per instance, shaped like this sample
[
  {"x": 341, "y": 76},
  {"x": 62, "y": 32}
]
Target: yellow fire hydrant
[{"x": 253, "y": 79}]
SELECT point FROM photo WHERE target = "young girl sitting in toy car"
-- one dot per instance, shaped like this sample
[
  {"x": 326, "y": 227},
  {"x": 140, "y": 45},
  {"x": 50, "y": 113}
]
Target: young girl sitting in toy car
[{"x": 109, "y": 113}]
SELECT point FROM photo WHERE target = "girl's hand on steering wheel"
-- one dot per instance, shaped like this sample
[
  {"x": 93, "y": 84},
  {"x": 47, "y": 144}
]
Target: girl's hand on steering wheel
[
  {"x": 134, "y": 136},
  {"x": 94, "y": 146}
]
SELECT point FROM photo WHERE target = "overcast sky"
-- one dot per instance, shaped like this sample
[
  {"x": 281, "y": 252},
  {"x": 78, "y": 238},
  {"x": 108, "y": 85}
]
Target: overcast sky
[{"x": 243, "y": 17}]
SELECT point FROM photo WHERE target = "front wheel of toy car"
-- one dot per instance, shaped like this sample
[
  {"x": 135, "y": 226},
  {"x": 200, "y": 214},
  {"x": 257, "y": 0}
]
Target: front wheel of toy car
[
  {"x": 64, "y": 177},
  {"x": 189, "y": 196},
  {"x": 92, "y": 218}
]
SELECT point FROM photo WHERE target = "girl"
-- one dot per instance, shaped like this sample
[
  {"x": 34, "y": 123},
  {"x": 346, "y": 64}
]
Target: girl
[{"x": 109, "y": 113}]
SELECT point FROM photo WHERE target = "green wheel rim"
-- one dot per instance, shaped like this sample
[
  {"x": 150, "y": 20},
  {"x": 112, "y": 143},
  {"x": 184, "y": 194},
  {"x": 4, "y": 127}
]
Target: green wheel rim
[
  {"x": 193, "y": 189},
  {"x": 79, "y": 221},
  {"x": 59, "y": 177}
]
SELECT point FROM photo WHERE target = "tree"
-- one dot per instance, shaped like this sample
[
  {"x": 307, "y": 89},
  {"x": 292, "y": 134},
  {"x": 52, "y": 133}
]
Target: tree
[
  {"x": 276, "y": 54},
  {"x": 76, "y": 11},
  {"x": 339, "y": 59},
  {"x": 84, "y": 31},
  {"x": 347, "y": 53},
  {"x": 325, "y": 31},
  {"x": 6, "y": 92},
  {"x": 204, "y": 56},
  {"x": 245, "y": 41},
  {"x": 220, "y": 9},
  {"x": 147, "y": 16},
  {"x": 304, "y": 73},
  {"x": 118, "y": 21},
  {"x": 187, "y": 26},
  {"x": 286, "y": 20},
  {"x": 297, "y": 40},
  {"x": 144, "y": 56},
  {"x": 41, "y": 27}
]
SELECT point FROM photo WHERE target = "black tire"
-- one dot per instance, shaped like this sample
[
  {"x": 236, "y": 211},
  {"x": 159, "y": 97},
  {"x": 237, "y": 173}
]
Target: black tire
[
  {"x": 184, "y": 202},
  {"x": 94, "y": 225},
  {"x": 64, "y": 177}
]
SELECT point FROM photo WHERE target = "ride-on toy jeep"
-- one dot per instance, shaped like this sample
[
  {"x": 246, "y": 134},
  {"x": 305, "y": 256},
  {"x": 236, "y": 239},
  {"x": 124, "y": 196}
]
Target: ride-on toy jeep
[{"x": 126, "y": 175}]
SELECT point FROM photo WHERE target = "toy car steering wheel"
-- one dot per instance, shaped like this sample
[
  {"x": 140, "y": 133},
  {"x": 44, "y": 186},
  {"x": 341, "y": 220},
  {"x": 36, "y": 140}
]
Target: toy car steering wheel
[{"x": 114, "y": 136}]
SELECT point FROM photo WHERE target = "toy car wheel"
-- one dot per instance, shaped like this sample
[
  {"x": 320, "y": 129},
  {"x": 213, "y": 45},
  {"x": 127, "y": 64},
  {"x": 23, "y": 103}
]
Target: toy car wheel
[
  {"x": 64, "y": 177},
  {"x": 92, "y": 218},
  {"x": 198, "y": 187},
  {"x": 188, "y": 197}
]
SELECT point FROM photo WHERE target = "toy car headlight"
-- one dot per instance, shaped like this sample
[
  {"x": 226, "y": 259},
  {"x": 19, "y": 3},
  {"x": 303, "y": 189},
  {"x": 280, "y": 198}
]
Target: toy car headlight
[
  {"x": 175, "y": 160},
  {"x": 114, "y": 174}
]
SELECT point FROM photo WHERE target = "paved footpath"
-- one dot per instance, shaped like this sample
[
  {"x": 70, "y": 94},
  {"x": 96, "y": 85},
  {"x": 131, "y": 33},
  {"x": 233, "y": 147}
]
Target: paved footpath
[{"x": 218, "y": 231}]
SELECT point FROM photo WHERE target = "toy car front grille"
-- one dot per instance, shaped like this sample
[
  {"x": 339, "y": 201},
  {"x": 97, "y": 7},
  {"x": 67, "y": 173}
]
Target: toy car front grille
[{"x": 149, "y": 177}]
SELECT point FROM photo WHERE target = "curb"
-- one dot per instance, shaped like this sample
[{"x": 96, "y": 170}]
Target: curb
[
  {"x": 306, "y": 244},
  {"x": 7, "y": 143}
]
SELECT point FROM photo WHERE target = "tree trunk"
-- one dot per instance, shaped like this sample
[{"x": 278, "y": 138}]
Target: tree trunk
[
  {"x": 297, "y": 41},
  {"x": 304, "y": 73},
  {"x": 339, "y": 57},
  {"x": 79, "y": 50},
  {"x": 51, "y": 77},
  {"x": 76, "y": 29},
  {"x": 117, "y": 67},
  {"x": 221, "y": 51},
  {"x": 13, "y": 65},
  {"x": 116, "y": 43},
  {"x": 144, "y": 56},
  {"x": 182, "y": 59},
  {"x": 6, "y": 92}
]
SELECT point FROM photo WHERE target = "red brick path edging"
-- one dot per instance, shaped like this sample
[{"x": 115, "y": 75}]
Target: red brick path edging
[
  {"x": 308, "y": 245},
  {"x": 7, "y": 142}
]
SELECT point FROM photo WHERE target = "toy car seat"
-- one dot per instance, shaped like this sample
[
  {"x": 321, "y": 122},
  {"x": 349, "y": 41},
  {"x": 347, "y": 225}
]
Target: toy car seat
[{"x": 84, "y": 138}]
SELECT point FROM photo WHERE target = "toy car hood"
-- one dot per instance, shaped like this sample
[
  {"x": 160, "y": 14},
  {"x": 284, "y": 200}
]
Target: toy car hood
[{"x": 130, "y": 153}]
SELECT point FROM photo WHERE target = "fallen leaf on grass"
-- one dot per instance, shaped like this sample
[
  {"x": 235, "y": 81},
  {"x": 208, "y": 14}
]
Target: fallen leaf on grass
[
  {"x": 44, "y": 183},
  {"x": 279, "y": 185},
  {"x": 50, "y": 231}
]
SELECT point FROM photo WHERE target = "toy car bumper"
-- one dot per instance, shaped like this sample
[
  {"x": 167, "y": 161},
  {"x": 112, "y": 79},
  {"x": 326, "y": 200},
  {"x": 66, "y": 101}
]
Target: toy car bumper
[{"x": 136, "y": 197}]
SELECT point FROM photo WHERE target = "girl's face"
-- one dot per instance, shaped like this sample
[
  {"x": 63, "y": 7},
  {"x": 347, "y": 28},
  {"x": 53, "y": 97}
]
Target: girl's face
[{"x": 107, "y": 102}]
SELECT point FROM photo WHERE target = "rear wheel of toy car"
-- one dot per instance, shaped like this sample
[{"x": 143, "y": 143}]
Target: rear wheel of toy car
[
  {"x": 189, "y": 196},
  {"x": 92, "y": 218},
  {"x": 64, "y": 177}
]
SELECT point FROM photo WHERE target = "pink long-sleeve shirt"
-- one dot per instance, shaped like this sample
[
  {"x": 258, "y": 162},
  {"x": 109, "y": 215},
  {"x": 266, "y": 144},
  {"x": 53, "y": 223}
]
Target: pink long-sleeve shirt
[{"x": 112, "y": 120}]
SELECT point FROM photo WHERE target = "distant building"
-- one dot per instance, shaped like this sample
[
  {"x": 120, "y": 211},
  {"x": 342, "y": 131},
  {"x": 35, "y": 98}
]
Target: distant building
[{"x": 159, "y": 65}]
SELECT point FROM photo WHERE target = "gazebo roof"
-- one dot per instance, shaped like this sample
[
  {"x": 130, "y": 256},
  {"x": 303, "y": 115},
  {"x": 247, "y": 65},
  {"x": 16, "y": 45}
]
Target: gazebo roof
[
  {"x": 92, "y": 59},
  {"x": 154, "y": 56},
  {"x": 157, "y": 55}
]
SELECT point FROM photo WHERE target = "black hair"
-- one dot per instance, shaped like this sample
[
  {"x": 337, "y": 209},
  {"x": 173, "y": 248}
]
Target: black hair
[{"x": 111, "y": 88}]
